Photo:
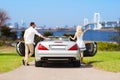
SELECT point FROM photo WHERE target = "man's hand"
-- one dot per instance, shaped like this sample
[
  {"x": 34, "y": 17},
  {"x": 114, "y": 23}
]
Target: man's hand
[{"x": 47, "y": 39}]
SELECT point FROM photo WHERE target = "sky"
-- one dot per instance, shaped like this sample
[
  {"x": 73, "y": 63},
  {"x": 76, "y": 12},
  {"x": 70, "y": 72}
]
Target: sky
[{"x": 60, "y": 12}]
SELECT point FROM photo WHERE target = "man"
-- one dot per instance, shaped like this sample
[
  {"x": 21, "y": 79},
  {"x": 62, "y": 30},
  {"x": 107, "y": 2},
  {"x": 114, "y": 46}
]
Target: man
[{"x": 29, "y": 42}]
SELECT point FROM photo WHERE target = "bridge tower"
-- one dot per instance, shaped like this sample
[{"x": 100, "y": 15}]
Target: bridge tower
[
  {"x": 85, "y": 21},
  {"x": 97, "y": 20}
]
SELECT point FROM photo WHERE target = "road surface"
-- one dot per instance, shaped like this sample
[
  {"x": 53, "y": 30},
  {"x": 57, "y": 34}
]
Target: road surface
[{"x": 58, "y": 72}]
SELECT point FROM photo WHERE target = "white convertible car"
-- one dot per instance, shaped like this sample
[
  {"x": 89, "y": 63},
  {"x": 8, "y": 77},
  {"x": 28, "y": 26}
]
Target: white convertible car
[{"x": 58, "y": 49}]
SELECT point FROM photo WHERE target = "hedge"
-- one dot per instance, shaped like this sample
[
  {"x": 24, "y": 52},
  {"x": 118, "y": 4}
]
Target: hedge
[{"x": 108, "y": 46}]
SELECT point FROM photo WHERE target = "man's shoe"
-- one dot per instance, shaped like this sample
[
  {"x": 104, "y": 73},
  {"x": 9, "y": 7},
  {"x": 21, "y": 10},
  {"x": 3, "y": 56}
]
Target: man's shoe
[
  {"x": 23, "y": 62},
  {"x": 27, "y": 64}
]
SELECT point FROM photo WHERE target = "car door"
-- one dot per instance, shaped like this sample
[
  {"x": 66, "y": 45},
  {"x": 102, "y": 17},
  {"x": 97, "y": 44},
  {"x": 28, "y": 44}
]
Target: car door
[{"x": 91, "y": 49}]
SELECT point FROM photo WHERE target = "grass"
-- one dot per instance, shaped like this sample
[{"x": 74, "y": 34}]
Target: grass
[
  {"x": 9, "y": 60},
  {"x": 108, "y": 61}
]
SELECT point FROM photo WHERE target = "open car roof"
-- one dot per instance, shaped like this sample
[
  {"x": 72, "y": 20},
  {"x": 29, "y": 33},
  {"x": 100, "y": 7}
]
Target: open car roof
[{"x": 59, "y": 38}]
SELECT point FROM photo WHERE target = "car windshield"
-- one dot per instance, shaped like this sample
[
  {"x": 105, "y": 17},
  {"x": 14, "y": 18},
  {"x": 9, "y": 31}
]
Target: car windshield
[{"x": 63, "y": 38}]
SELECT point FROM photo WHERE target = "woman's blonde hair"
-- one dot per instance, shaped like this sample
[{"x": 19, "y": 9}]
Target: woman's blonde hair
[{"x": 79, "y": 30}]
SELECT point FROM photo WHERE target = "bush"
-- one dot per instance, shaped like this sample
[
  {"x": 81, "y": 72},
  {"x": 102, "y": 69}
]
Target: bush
[
  {"x": 46, "y": 34},
  {"x": 107, "y": 46},
  {"x": 1, "y": 43},
  {"x": 5, "y": 31},
  {"x": 68, "y": 35},
  {"x": 117, "y": 36}
]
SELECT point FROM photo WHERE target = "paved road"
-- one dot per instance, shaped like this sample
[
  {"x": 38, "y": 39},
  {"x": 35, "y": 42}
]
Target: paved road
[{"x": 58, "y": 72}]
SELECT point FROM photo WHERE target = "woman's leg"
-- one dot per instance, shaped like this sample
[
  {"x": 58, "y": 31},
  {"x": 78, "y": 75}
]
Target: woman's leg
[{"x": 81, "y": 56}]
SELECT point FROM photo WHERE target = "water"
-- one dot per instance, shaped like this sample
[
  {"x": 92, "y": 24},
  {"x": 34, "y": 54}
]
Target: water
[
  {"x": 90, "y": 35},
  {"x": 97, "y": 35}
]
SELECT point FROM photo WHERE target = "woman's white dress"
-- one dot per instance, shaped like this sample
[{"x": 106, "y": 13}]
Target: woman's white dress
[{"x": 81, "y": 43}]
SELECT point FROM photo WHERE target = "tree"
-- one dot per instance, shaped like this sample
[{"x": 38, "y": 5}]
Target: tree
[
  {"x": 48, "y": 34},
  {"x": 117, "y": 36},
  {"x": 5, "y": 31},
  {"x": 3, "y": 17}
]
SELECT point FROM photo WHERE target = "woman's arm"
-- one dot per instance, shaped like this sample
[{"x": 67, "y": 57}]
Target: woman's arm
[
  {"x": 74, "y": 36},
  {"x": 86, "y": 30}
]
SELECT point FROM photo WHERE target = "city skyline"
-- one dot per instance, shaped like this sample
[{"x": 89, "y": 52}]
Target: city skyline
[{"x": 60, "y": 12}]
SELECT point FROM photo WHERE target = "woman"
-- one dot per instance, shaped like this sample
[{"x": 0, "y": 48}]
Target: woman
[{"x": 80, "y": 42}]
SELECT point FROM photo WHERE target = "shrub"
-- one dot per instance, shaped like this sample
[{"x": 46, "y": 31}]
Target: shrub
[
  {"x": 117, "y": 36},
  {"x": 108, "y": 46},
  {"x": 1, "y": 43},
  {"x": 5, "y": 31},
  {"x": 46, "y": 34}
]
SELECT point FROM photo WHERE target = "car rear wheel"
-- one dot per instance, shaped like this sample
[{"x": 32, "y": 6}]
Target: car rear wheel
[
  {"x": 38, "y": 63},
  {"x": 76, "y": 64}
]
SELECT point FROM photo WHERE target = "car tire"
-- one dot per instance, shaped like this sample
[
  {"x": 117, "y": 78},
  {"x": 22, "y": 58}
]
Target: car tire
[
  {"x": 76, "y": 64},
  {"x": 20, "y": 48},
  {"x": 38, "y": 63}
]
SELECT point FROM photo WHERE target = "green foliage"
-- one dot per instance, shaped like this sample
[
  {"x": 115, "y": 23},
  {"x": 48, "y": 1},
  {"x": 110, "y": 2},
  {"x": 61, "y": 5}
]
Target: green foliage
[
  {"x": 68, "y": 34},
  {"x": 37, "y": 39},
  {"x": 13, "y": 35},
  {"x": 7, "y": 36},
  {"x": 5, "y": 31},
  {"x": 106, "y": 46},
  {"x": 1, "y": 43},
  {"x": 46, "y": 34},
  {"x": 117, "y": 37}
]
